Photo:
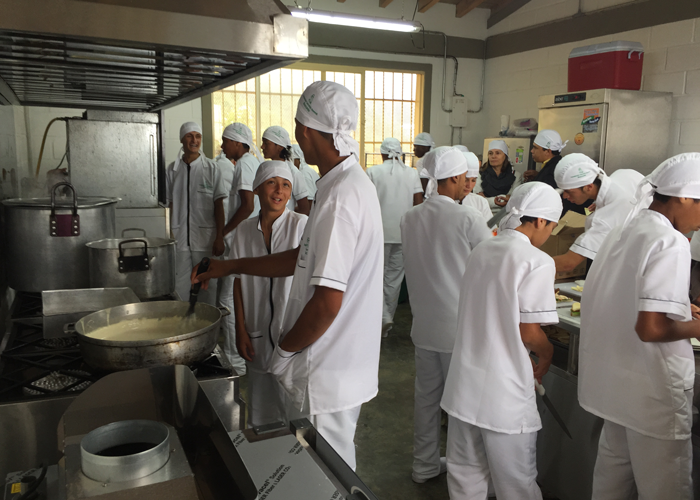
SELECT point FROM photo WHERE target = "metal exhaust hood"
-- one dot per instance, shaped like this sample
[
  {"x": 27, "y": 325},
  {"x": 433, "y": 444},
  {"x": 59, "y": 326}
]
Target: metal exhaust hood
[{"x": 139, "y": 55}]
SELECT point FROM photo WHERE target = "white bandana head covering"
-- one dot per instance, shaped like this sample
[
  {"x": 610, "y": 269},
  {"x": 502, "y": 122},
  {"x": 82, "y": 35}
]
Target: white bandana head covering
[
  {"x": 500, "y": 145},
  {"x": 550, "y": 139},
  {"x": 533, "y": 199},
  {"x": 331, "y": 108},
  {"x": 576, "y": 170},
  {"x": 272, "y": 168},
  {"x": 297, "y": 153},
  {"x": 442, "y": 163},
  {"x": 472, "y": 164},
  {"x": 424, "y": 139},
  {"x": 188, "y": 127},
  {"x": 463, "y": 149},
  {"x": 679, "y": 176},
  {"x": 240, "y": 132},
  {"x": 278, "y": 135},
  {"x": 392, "y": 148}
]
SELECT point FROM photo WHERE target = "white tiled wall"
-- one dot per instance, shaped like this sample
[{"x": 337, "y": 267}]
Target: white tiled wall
[{"x": 671, "y": 64}]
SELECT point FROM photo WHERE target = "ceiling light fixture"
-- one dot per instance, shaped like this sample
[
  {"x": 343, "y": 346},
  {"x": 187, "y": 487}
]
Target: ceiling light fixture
[{"x": 378, "y": 23}]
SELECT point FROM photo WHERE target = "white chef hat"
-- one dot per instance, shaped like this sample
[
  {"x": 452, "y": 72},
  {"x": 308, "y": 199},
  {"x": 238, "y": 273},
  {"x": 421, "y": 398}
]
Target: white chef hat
[
  {"x": 278, "y": 135},
  {"x": 472, "y": 163},
  {"x": 463, "y": 149},
  {"x": 240, "y": 132},
  {"x": 679, "y": 176},
  {"x": 550, "y": 139},
  {"x": 188, "y": 127},
  {"x": 272, "y": 168},
  {"x": 576, "y": 170},
  {"x": 533, "y": 199},
  {"x": 499, "y": 145},
  {"x": 331, "y": 108},
  {"x": 424, "y": 139},
  {"x": 442, "y": 163},
  {"x": 392, "y": 148},
  {"x": 297, "y": 153}
]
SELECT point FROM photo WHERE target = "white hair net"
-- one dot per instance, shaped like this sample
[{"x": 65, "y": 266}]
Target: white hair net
[
  {"x": 272, "y": 168},
  {"x": 463, "y": 149},
  {"x": 331, "y": 108},
  {"x": 188, "y": 127},
  {"x": 499, "y": 145},
  {"x": 424, "y": 139},
  {"x": 534, "y": 199},
  {"x": 442, "y": 163},
  {"x": 392, "y": 148},
  {"x": 472, "y": 164},
  {"x": 278, "y": 135},
  {"x": 550, "y": 139},
  {"x": 240, "y": 132},
  {"x": 576, "y": 170},
  {"x": 297, "y": 153}
]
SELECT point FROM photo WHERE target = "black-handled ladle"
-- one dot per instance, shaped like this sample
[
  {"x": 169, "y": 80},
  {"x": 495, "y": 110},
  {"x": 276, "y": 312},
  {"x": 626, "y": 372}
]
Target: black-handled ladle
[{"x": 194, "y": 290}]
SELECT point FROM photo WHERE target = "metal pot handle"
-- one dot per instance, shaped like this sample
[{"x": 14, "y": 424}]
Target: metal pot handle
[
  {"x": 53, "y": 197},
  {"x": 64, "y": 224},
  {"x": 133, "y": 262},
  {"x": 121, "y": 249},
  {"x": 225, "y": 311},
  {"x": 134, "y": 229},
  {"x": 69, "y": 329}
]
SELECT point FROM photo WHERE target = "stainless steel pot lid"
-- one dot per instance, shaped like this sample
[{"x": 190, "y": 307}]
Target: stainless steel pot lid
[
  {"x": 113, "y": 243},
  {"x": 61, "y": 203}
]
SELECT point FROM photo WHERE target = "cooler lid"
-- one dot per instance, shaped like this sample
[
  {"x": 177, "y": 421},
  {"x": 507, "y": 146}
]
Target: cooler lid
[{"x": 600, "y": 48}]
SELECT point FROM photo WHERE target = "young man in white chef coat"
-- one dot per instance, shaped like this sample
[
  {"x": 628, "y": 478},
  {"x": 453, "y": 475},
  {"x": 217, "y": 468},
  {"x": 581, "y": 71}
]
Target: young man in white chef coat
[
  {"x": 636, "y": 366},
  {"x": 260, "y": 303},
  {"x": 398, "y": 188},
  {"x": 422, "y": 144},
  {"x": 195, "y": 192},
  {"x": 278, "y": 146},
  {"x": 437, "y": 237},
  {"x": 507, "y": 293},
  {"x": 310, "y": 175},
  {"x": 236, "y": 145},
  {"x": 582, "y": 180},
  {"x": 327, "y": 359}
]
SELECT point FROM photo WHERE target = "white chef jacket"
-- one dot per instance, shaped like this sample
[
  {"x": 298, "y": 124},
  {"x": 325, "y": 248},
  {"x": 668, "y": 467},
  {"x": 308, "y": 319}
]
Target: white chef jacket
[
  {"x": 243, "y": 177},
  {"x": 299, "y": 187},
  {"x": 695, "y": 246},
  {"x": 341, "y": 248},
  {"x": 395, "y": 189},
  {"x": 480, "y": 203},
  {"x": 311, "y": 176},
  {"x": 490, "y": 383},
  {"x": 627, "y": 179},
  {"x": 193, "y": 191},
  {"x": 227, "y": 172},
  {"x": 639, "y": 385},
  {"x": 613, "y": 203},
  {"x": 265, "y": 299},
  {"x": 437, "y": 236}
]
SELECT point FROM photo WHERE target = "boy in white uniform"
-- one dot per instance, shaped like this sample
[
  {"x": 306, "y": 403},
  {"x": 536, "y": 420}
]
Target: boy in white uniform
[
  {"x": 398, "y": 188},
  {"x": 310, "y": 175},
  {"x": 636, "y": 363},
  {"x": 327, "y": 359},
  {"x": 437, "y": 237},
  {"x": 278, "y": 146},
  {"x": 507, "y": 293},
  {"x": 261, "y": 302},
  {"x": 471, "y": 199},
  {"x": 582, "y": 180},
  {"x": 195, "y": 192}
]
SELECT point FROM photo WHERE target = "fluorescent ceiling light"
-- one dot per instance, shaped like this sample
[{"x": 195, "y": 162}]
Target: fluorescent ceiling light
[{"x": 378, "y": 23}]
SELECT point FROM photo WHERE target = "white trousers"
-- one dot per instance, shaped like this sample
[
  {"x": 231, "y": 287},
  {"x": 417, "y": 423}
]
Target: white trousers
[
  {"x": 393, "y": 276},
  {"x": 185, "y": 261},
  {"x": 431, "y": 372},
  {"x": 475, "y": 455},
  {"x": 631, "y": 465},
  {"x": 265, "y": 399},
  {"x": 339, "y": 430},
  {"x": 228, "y": 324}
]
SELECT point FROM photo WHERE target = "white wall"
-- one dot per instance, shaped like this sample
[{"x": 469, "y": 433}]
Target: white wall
[{"x": 671, "y": 64}]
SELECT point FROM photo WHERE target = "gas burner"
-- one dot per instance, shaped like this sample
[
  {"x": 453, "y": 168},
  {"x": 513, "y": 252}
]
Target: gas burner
[
  {"x": 59, "y": 342},
  {"x": 27, "y": 305},
  {"x": 68, "y": 381}
]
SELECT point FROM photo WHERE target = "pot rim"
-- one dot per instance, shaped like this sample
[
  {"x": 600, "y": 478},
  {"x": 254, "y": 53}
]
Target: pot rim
[
  {"x": 152, "y": 242},
  {"x": 45, "y": 203}
]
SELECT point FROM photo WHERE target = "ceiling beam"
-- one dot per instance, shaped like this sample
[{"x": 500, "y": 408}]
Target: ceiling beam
[
  {"x": 464, "y": 7},
  {"x": 384, "y": 3},
  {"x": 341, "y": 1},
  {"x": 424, "y": 5},
  {"x": 503, "y": 11}
]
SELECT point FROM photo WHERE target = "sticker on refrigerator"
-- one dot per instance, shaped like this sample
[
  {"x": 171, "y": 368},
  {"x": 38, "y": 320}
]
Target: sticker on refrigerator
[
  {"x": 591, "y": 117},
  {"x": 519, "y": 155},
  {"x": 579, "y": 138}
]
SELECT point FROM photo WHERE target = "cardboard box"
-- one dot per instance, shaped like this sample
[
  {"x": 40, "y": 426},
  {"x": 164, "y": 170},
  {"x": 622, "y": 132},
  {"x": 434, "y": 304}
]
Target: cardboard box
[{"x": 570, "y": 226}]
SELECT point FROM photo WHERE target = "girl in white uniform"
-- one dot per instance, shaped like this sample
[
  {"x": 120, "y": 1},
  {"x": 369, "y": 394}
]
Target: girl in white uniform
[
  {"x": 506, "y": 295},
  {"x": 276, "y": 145},
  {"x": 582, "y": 180},
  {"x": 309, "y": 174},
  {"x": 261, "y": 302},
  {"x": 470, "y": 199},
  {"x": 437, "y": 237},
  {"x": 636, "y": 363}
]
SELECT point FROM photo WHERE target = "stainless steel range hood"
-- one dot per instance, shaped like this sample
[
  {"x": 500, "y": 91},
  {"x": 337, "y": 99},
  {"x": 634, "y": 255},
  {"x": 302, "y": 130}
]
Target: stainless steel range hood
[{"x": 139, "y": 55}]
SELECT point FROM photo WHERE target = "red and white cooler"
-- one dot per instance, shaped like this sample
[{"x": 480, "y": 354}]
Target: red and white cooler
[{"x": 613, "y": 65}]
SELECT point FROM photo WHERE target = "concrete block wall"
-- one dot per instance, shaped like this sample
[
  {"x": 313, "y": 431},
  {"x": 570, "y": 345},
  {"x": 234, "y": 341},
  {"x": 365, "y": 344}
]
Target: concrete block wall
[{"x": 671, "y": 64}]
